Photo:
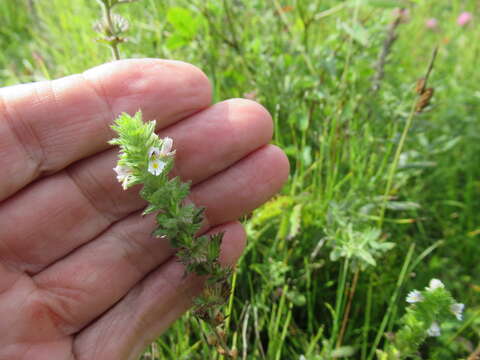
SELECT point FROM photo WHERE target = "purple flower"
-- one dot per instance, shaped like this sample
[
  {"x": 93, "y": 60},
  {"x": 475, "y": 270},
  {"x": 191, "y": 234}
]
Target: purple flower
[
  {"x": 464, "y": 18},
  {"x": 431, "y": 23}
]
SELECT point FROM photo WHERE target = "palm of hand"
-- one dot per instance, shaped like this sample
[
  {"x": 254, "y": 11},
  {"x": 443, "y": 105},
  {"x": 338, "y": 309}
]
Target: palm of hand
[{"x": 80, "y": 275}]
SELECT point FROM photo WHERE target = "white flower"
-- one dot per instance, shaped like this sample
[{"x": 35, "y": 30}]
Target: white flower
[
  {"x": 124, "y": 175},
  {"x": 414, "y": 296},
  {"x": 434, "y": 284},
  {"x": 457, "y": 310},
  {"x": 153, "y": 153},
  {"x": 155, "y": 156},
  {"x": 156, "y": 166},
  {"x": 155, "y": 163},
  {"x": 434, "y": 329}
]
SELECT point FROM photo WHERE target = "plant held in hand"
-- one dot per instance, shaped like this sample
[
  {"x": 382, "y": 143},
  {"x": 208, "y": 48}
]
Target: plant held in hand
[{"x": 146, "y": 159}]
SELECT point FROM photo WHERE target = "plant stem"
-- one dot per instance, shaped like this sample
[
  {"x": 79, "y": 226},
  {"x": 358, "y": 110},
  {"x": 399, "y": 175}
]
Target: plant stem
[
  {"x": 408, "y": 124},
  {"x": 113, "y": 44},
  {"x": 339, "y": 300},
  {"x": 220, "y": 340},
  {"x": 351, "y": 293},
  {"x": 394, "y": 166},
  {"x": 366, "y": 325},
  {"x": 382, "y": 58}
]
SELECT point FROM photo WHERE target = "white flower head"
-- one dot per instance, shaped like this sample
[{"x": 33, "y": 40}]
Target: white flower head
[
  {"x": 457, "y": 310},
  {"x": 434, "y": 329},
  {"x": 414, "y": 296},
  {"x": 434, "y": 284},
  {"x": 124, "y": 175}
]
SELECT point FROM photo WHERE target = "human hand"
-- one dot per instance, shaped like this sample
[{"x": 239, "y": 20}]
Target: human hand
[{"x": 81, "y": 277}]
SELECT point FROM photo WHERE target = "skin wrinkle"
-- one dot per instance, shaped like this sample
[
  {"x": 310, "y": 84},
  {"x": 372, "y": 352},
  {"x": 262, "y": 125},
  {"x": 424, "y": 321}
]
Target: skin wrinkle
[
  {"x": 30, "y": 351},
  {"x": 24, "y": 135},
  {"x": 41, "y": 236},
  {"x": 109, "y": 217},
  {"x": 163, "y": 285},
  {"x": 129, "y": 247},
  {"x": 114, "y": 208},
  {"x": 153, "y": 329},
  {"x": 60, "y": 303},
  {"x": 99, "y": 342},
  {"x": 101, "y": 96},
  {"x": 96, "y": 345},
  {"x": 99, "y": 119},
  {"x": 13, "y": 258},
  {"x": 16, "y": 277},
  {"x": 45, "y": 169},
  {"x": 22, "y": 300},
  {"x": 190, "y": 287},
  {"x": 38, "y": 308}
]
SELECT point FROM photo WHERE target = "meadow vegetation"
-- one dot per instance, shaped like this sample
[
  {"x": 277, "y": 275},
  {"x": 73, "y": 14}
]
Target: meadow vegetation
[{"x": 380, "y": 200}]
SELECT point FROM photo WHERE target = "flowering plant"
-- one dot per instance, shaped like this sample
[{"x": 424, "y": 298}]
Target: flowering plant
[
  {"x": 427, "y": 309},
  {"x": 146, "y": 160}
]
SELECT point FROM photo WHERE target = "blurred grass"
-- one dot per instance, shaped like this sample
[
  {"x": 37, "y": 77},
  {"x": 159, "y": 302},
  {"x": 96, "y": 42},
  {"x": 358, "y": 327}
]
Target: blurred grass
[{"x": 311, "y": 64}]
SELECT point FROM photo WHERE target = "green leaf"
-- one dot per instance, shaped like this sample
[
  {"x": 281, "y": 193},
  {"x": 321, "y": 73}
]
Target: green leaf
[
  {"x": 295, "y": 221},
  {"x": 402, "y": 205},
  {"x": 365, "y": 256},
  {"x": 358, "y": 33},
  {"x": 183, "y": 21},
  {"x": 307, "y": 155},
  {"x": 343, "y": 351},
  {"x": 296, "y": 297},
  {"x": 176, "y": 41}
]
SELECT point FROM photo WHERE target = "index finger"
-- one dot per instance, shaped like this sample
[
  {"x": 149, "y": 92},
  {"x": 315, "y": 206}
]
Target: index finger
[{"x": 48, "y": 125}]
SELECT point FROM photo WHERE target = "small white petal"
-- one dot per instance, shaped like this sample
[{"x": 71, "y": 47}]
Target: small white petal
[
  {"x": 414, "y": 296},
  {"x": 457, "y": 310},
  {"x": 156, "y": 167},
  {"x": 434, "y": 329},
  {"x": 167, "y": 144},
  {"x": 122, "y": 170},
  {"x": 435, "y": 284},
  {"x": 153, "y": 153},
  {"x": 124, "y": 175}
]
